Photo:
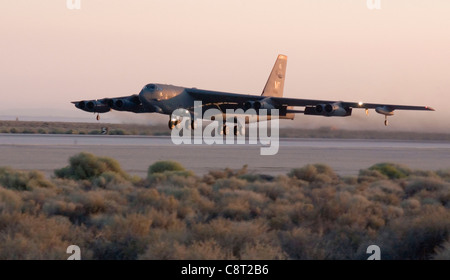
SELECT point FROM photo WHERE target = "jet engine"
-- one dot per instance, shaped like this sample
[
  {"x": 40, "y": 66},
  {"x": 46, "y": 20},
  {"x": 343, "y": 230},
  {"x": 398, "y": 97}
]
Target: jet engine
[
  {"x": 94, "y": 106},
  {"x": 329, "y": 110},
  {"x": 257, "y": 105},
  {"x": 132, "y": 103}
]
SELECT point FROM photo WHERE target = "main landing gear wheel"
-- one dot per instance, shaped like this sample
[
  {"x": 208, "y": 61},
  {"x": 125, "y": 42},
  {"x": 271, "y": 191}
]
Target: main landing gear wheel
[
  {"x": 193, "y": 124},
  {"x": 225, "y": 130},
  {"x": 98, "y": 117},
  {"x": 386, "y": 123},
  {"x": 171, "y": 124}
]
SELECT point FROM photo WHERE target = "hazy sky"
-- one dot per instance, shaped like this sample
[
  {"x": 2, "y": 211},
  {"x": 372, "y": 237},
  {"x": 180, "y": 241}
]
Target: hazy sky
[{"x": 337, "y": 49}]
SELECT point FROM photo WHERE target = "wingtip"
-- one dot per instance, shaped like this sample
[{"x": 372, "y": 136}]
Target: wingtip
[{"x": 429, "y": 108}]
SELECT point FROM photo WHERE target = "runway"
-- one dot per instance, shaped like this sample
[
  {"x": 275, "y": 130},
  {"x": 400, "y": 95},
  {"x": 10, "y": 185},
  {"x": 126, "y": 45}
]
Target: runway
[{"x": 136, "y": 153}]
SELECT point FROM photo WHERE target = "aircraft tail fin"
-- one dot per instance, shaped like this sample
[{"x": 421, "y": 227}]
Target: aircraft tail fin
[{"x": 275, "y": 84}]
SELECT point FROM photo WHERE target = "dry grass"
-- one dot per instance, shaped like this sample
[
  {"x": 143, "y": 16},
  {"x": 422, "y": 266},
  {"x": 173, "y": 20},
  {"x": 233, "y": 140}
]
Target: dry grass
[{"x": 310, "y": 213}]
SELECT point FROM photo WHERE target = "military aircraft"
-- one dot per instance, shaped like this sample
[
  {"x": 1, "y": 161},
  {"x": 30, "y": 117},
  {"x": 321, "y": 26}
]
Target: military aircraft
[{"x": 165, "y": 99}]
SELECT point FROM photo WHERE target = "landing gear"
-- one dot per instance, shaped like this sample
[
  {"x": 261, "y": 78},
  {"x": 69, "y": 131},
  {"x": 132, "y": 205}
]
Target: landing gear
[
  {"x": 191, "y": 125},
  {"x": 239, "y": 130},
  {"x": 177, "y": 122},
  {"x": 98, "y": 117},
  {"x": 386, "y": 123},
  {"x": 225, "y": 130},
  {"x": 173, "y": 123}
]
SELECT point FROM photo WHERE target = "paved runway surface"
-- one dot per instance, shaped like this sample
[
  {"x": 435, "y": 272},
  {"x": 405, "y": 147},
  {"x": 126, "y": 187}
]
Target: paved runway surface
[{"x": 136, "y": 153}]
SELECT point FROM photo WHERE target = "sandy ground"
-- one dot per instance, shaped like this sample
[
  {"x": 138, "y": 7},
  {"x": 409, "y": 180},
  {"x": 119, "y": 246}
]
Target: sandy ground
[{"x": 136, "y": 153}]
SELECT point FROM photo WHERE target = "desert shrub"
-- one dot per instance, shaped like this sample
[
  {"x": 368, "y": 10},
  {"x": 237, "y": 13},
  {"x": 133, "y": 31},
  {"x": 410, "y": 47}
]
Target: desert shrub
[
  {"x": 171, "y": 178},
  {"x": 411, "y": 204},
  {"x": 302, "y": 244},
  {"x": 124, "y": 238},
  {"x": 116, "y": 132},
  {"x": 386, "y": 192},
  {"x": 163, "y": 166},
  {"x": 240, "y": 204},
  {"x": 24, "y": 237},
  {"x": 167, "y": 171},
  {"x": 165, "y": 220},
  {"x": 229, "y": 214},
  {"x": 23, "y": 180},
  {"x": 317, "y": 173},
  {"x": 56, "y": 131},
  {"x": 342, "y": 243},
  {"x": 279, "y": 214},
  {"x": 444, "y": 174},
  {"x": 81, "y": 205},
  {"x": 229, "y": 183},
  {"x": 370, "y": 175},
  {"x": 419, "y": 185},
  {"x": 198, "y": 250},
  {"x": 214, "y": 175},
  {"x": 262, "y": 251},
  {"x": 161, "y": 250},
  {"x": 107, "y": 179},
  {"x": 28, "y": 131},
  {"x": 86, "y": 166},
  {"x": 60, "y": 207},
  {"x": 10, "y": 201},
  {"x": 392, "y": 170},
  {"x": 272, "y": 190},
  {"x": 443, "y": 252},
  {"x": 416, "y": 237},
  {"x": 232, "y": 234}
]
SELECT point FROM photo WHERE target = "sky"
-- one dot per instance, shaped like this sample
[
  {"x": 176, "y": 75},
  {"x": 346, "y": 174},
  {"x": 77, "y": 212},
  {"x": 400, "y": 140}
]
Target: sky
[{"x": 337, "y": 50}]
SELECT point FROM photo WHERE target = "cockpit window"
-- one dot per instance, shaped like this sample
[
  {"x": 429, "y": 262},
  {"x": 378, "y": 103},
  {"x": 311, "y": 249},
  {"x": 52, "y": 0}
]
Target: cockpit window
[{"x": 151, "y": 87}]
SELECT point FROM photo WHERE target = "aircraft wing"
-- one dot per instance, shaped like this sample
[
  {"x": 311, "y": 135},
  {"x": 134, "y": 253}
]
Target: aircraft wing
[
  {"x": 313, "y": 102},
  {"x": 223, "y": 97}
]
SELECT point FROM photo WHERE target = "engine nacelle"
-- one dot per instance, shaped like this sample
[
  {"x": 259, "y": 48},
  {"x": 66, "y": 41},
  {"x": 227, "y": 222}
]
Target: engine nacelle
[
  {"x": 257, "y": 105},
  {"x": 132, "y": 104},
  {"x": 329, "y": 110},
  {"x": 384, "y": 110},
  {"x": 93, "y": 106}
]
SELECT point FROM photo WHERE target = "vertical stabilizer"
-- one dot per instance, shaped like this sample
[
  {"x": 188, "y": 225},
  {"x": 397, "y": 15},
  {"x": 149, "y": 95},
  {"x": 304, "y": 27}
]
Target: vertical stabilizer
[{"x": 275, "y": 83}]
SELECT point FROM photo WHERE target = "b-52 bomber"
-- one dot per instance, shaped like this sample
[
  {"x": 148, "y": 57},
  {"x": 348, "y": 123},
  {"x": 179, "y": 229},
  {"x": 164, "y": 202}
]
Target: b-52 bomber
[{"x": 165, "y": 99}]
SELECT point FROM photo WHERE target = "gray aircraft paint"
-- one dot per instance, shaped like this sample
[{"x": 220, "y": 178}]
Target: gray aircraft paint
[{"x": 165, "y": 99}]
